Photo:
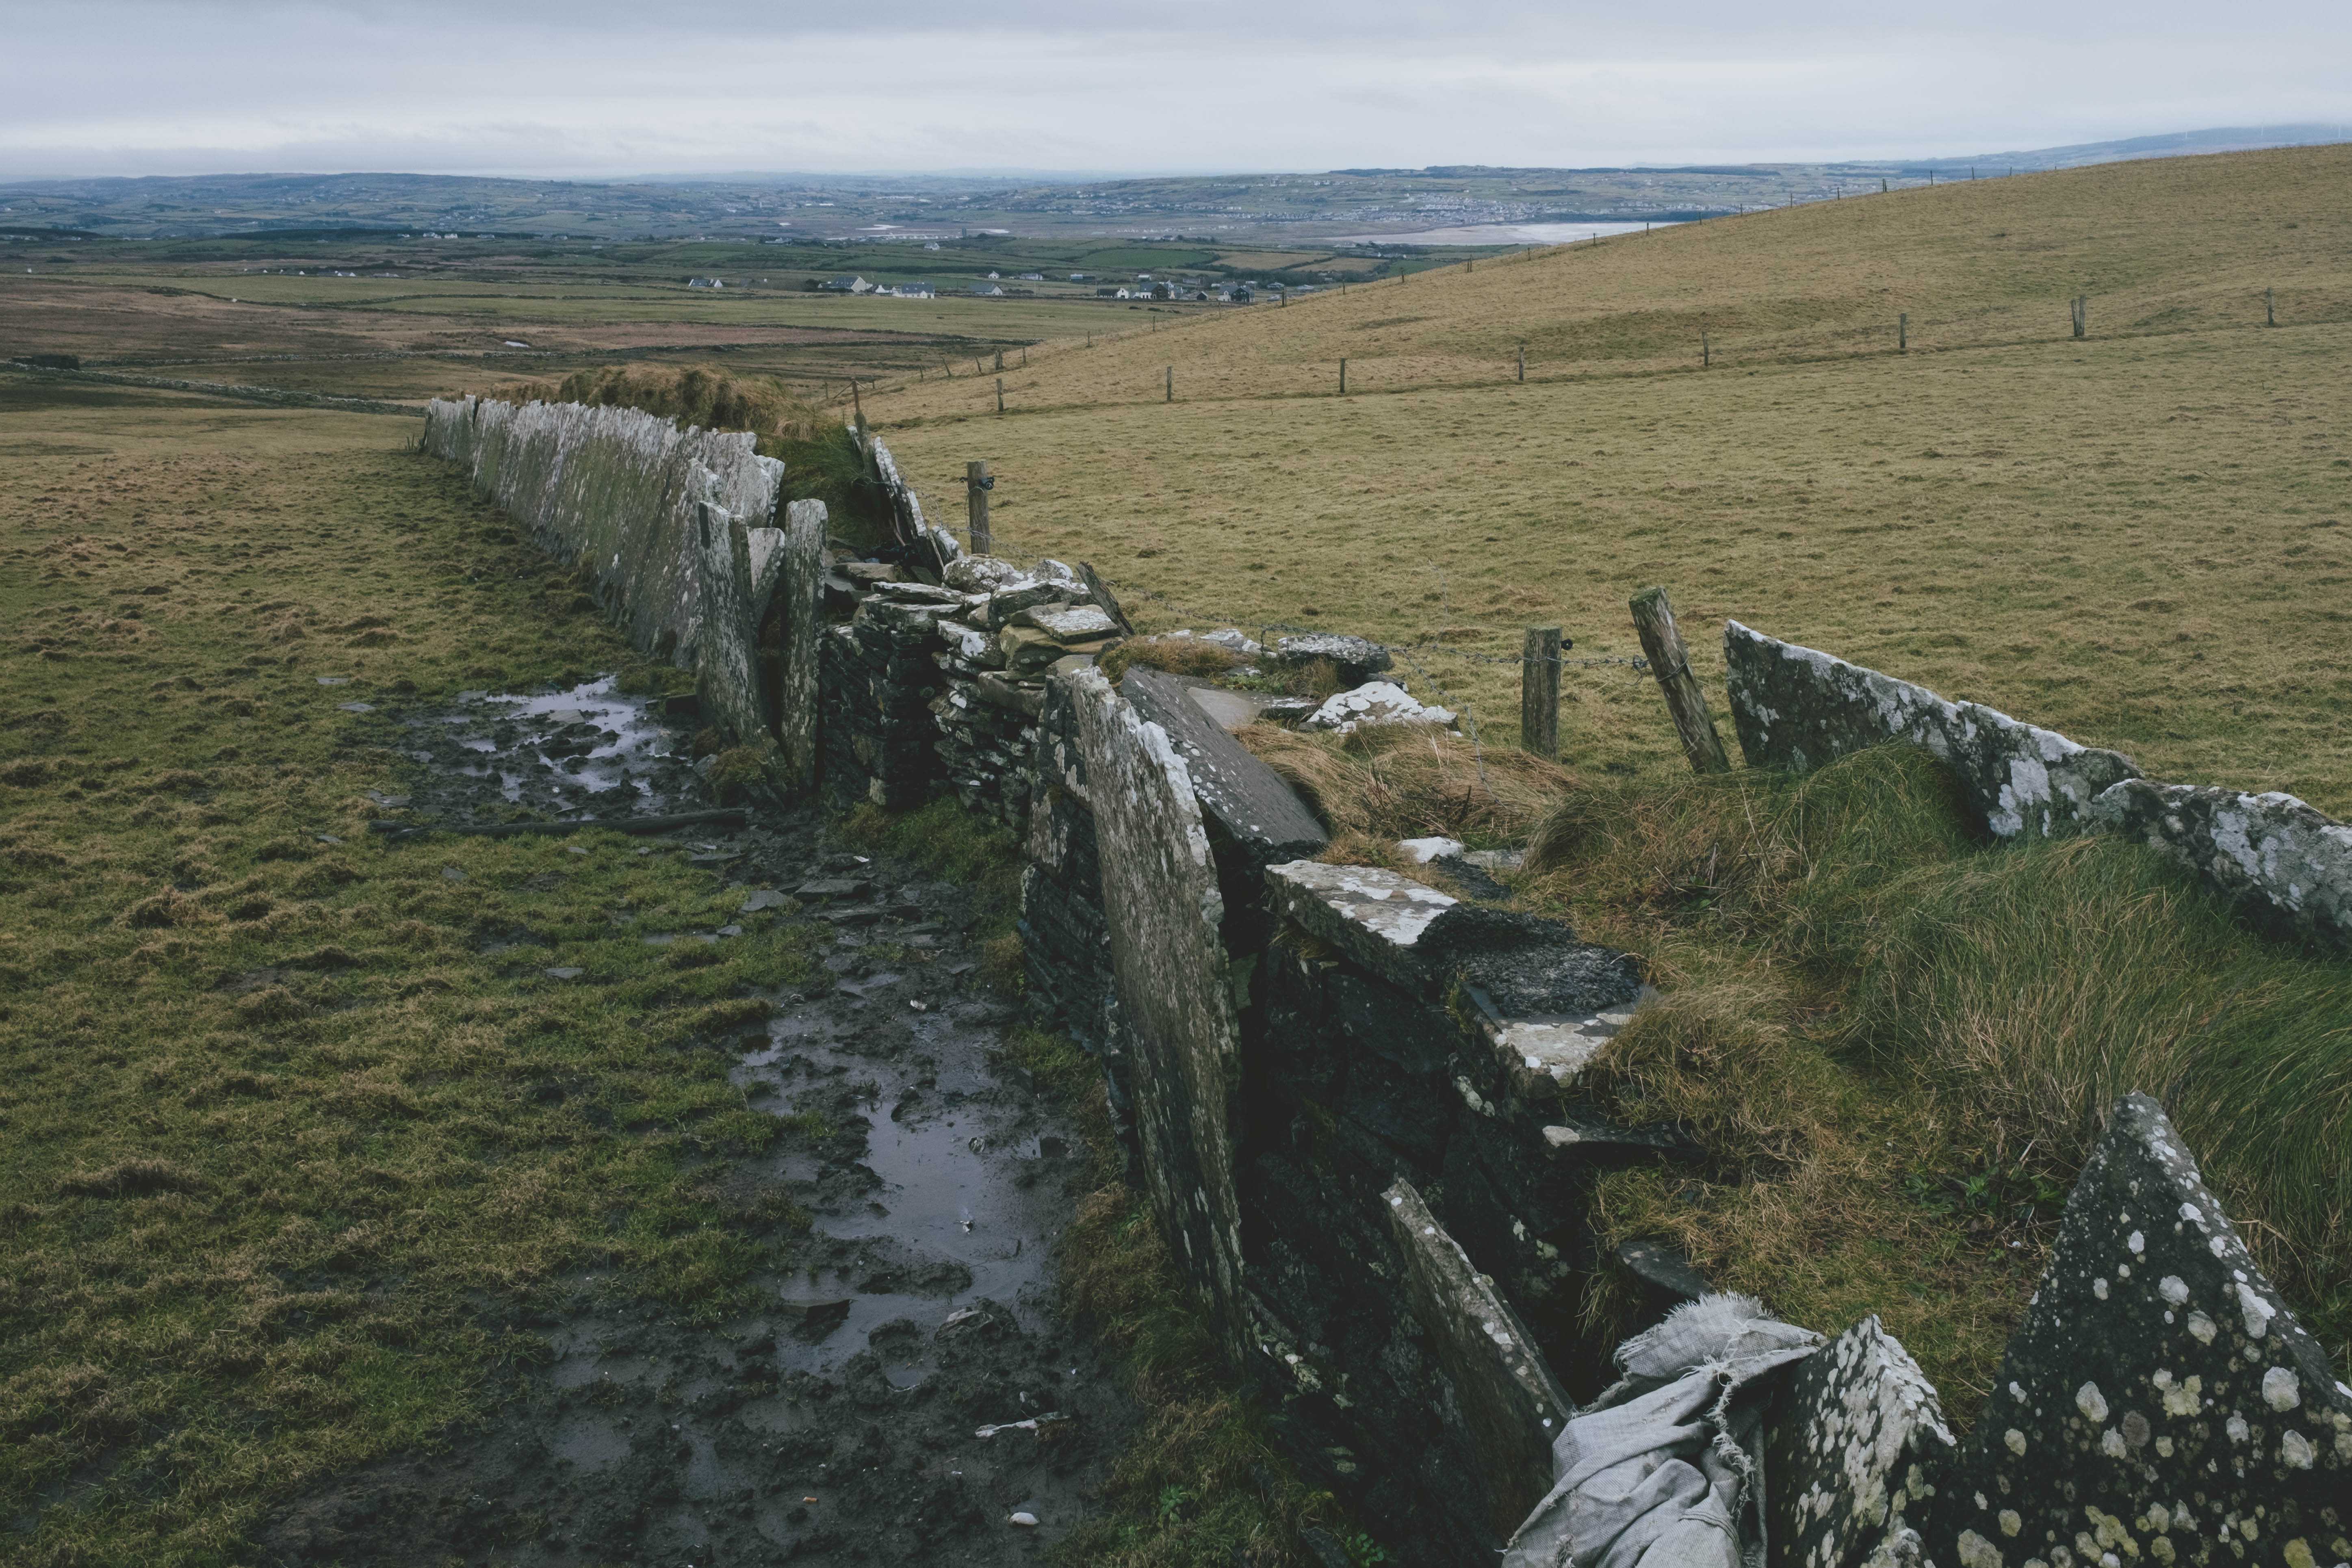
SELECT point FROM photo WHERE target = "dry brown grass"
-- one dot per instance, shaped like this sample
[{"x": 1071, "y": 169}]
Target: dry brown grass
[
  {"x": 1177, "y": 656},
  {"x": 2103, "y": 536},
  {"x": 1388, "y": 782}
]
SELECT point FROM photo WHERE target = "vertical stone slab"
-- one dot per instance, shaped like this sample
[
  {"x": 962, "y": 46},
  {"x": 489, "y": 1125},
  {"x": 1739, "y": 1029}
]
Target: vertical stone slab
[
  {"x": 1853, "y": 1451},
  {"x": 2290, "y": 863},
  {"x": 1176, "y": 1004},
  {"x": 727, "y": 670},
  {"x": 2160, "y": 1405},
  {"x": 1507, "y": 1406},
  {"x": 800, "y": 587},
  {"x": 1797, "y": 709}
]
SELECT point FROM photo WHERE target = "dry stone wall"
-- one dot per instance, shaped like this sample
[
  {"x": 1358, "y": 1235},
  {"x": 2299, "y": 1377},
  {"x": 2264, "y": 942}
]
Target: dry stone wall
[
  {"x": 1358, "y": 1101},
  {"x": 2286, "y": 863}
]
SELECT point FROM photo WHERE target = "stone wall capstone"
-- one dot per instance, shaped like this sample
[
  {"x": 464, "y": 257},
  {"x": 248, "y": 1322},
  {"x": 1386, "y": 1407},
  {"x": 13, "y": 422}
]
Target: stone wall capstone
[
  {"x": 2287, "y": 863},
  {"x": 1796, "y": 708}
]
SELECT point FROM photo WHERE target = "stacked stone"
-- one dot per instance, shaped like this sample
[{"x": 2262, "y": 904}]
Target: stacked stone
[
  {"x": 1065, "y": 937},
  {"x": 877, "y": 682},
  {"x": 1010, "y": 630}
]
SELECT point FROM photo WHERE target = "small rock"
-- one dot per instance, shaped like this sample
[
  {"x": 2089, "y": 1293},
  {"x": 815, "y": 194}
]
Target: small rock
[
  {"x": 1376, "y": 702},
  {"x": 334, "y": 680},
  {"x": 765, "y": 899},
  {"x": 1068, "y": 623},
  {"x": 1421, "y": 851},
  {"x": 1024, "y": 1519},
  {"x": 566, "y": 972},
  {"x": 870, "y": 572},
  {"x": 1359, "y": 659},
  {"x": 575, "y": 850},
  {"x": 328, "y": 839},
  {"x": 836, "y": 888},
  {"x": 730, "y": 931},
  {"x": 452, "y": 874},
  {"x": 356, "y": 706}
]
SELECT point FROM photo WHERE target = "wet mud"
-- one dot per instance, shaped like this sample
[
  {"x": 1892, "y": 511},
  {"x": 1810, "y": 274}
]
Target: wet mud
[{"x": 908, "y": 1387}]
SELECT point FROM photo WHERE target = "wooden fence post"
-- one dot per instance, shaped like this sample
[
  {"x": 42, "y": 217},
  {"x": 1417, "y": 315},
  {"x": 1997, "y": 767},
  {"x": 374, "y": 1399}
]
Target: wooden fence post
[
  {"x": 2269, "y": 309},
  {"x": 1539, "y": 692},
  {"x": 2082, "y": 314},
  {"x": 1903, "y": 332},
  {"x": 1000, "y": 359},
  {"x": 977, "y": 483},
  {"x": 1000, "y": 394},
  {"x": 1343, "y": 378},
  {"x": 1662, "y": 643},
  {"x": 1705, "y": 353},
  {"x": 1170, "y": 396},
  {"x": 1523, "y": 362}
]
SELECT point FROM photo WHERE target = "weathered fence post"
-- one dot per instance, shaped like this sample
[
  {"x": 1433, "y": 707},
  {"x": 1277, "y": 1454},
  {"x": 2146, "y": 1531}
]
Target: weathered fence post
[
  {"x": 1903, "y": 332},
  {"x": 1000, "y": 394},
  {"x": 1170, "y": 394},
  {"x": 857, "y": 403},
  {"x": 2081, "y": 315},
  {"x": 1662, "y": 643},
  {"x": 1025, "y": 356},
  {"x": 1705, "y": 353},
  {"x": 1000, "y": 359},
  {"x": 977, "y": 483},
  {"x": 1539, "y": 692},
  {"x": 1343, "y": 378},
  {"x": 1523, "y": 362},
  {"x": 2269, "y": 309}
]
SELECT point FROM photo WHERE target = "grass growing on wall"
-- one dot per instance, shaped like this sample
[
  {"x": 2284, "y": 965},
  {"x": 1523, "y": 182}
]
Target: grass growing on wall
[{"x": 1899, "y": 1045}]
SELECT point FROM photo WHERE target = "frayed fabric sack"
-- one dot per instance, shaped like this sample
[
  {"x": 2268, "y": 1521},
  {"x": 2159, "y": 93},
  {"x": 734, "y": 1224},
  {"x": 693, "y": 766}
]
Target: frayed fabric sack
[{"x": 1665, "y": 1469}]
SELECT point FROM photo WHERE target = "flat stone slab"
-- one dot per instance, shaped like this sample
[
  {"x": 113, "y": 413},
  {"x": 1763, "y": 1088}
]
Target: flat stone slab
[
  {"x": 1797, "y": 709},
  {"x": 1249, "y": 802},
  {"x": 1356, "y": 656},
  {"x": 1374, "y": 916},
  {"x": 1227, "y": 709},
  {"x": 1853, "y": 1447},
  {"x": 1068, "y": 623},
  {"x": 2160, "y": 1403},
  {"x": 2290, "y": 861},
  {"x": 1509, "y": 1405},
  {"x": 1375, "y": 702},
  {"x": 836, "y": 888}
]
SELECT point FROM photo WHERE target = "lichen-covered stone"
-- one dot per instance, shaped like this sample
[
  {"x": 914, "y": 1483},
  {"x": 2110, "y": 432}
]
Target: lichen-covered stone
[
  {"x": 1069, "y": 623},
  {"x": 1375, "y": 702},
  {"x": 1509, "y": 1405},
  {"x": 727, "y": 673},
  {"x": 1854, "y": 1447},
  {"x": 1359, "y": 659},
  {"x": 2274, "y": 853},
  {"x": 1248, "y": 803},
  {"x": 615, "y": 490},
  {"x": 2160, "y": 1404},
  {"x": 1797, "y": 709},
  {"x": 799, "y": 590},
  {"x": 1374, "y": 916},
  {"x": 1162, "y": 903}
]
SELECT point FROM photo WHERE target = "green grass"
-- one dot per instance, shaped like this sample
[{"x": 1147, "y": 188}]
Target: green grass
[
  {"x": 289, "y": 1143},
  {"x": 1899, "y": 1045}
]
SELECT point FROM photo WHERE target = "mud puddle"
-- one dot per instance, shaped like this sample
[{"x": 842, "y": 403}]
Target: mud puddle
[
  {"x": 590, "y": 750},
  {"x": 907, "y": 1386}
]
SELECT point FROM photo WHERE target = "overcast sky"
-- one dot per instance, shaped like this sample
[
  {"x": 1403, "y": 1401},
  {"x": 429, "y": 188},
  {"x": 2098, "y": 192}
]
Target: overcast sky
[{"x": 596, "y": 87}]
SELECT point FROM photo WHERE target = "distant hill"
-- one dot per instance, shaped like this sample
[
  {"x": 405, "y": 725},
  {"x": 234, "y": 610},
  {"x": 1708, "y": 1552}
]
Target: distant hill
[
  {"x": 2176, "y": 144},
  {"x": 1298, "y": 207}
]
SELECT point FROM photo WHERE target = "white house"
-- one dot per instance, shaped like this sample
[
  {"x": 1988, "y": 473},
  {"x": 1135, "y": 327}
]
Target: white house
[
  {"x": 989, "y": 291},
  {"x": 847, "y": 286},
  {"x": 705, "y": 283}
]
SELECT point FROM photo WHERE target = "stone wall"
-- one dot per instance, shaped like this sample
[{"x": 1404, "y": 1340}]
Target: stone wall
[
  {"x": 1356, "y": 1098},
  {"x": 2287, "y": 865}
]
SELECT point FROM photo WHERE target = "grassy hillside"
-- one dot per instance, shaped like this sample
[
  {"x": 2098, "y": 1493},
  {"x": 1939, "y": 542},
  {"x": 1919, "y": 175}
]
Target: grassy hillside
[{"x": 2135, "y": 538}]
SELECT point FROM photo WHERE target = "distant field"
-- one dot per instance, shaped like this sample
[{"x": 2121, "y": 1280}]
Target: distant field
[{"x": 2139, "y": 539}]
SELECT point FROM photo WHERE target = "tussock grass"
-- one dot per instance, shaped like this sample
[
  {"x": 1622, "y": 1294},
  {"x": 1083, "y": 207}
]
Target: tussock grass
[
  {"x": 1382, "y": 783},
  {"x": 1899, "y": 1044},
  {"x": 1177, "y": 656}
]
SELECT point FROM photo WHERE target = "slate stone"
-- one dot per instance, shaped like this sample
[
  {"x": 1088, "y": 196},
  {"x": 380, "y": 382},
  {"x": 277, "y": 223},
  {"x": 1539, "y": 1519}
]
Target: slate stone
[
  {"x": 1375, "y": 702},
  {"x": 766, "y": 899},
  {"x": 726, "y": 657},
  {"x": 1375, "y": 917},
  {"x": 1506, "y": 1405},
  {"x": 1359, "y": 659},
  {"x": 2160, "y": 1402},
  {"x": 1069, "y": 623},
  {"x": 1229, "y": 710},
  {"x": 1797, "y": 709},
  {"x": 1664, "y": 1272},
  {"x": 1854, "y": 1447},
  {"x": 1164, "y": 911},
  {"x": 800, "y": 594},
  {"x": 836, "y": 888},
  {"x": 2291, "y": 863},
  {"x": 1248, "y": 801}
]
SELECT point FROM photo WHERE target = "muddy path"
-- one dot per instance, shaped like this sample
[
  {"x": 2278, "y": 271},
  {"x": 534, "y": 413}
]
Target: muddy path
[{"x": 907, "y": 1392}]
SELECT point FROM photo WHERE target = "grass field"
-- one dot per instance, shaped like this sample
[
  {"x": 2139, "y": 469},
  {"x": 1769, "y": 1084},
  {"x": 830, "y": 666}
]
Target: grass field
[{"x": 2137, "y": 538}]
